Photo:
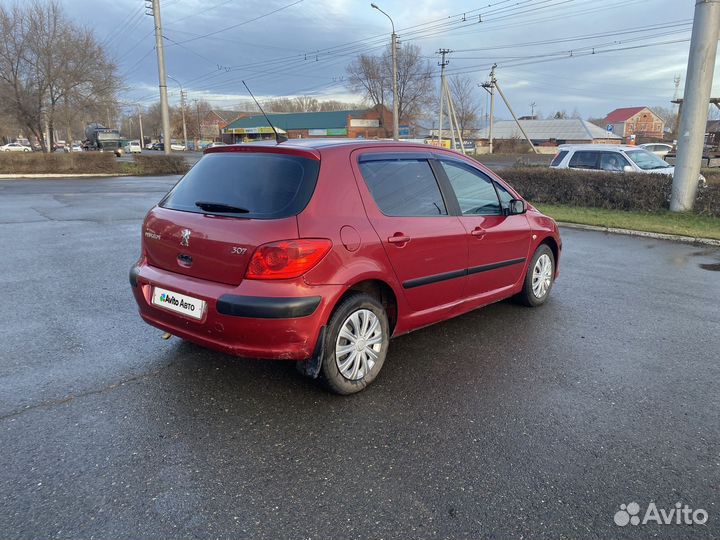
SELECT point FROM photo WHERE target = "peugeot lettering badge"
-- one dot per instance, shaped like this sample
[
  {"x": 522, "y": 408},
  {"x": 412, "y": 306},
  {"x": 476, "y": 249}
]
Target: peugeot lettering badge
[{"x": 185, "y": 241}]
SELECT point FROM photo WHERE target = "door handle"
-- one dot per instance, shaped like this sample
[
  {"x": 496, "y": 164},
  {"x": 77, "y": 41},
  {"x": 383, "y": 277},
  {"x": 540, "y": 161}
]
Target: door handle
[
  {"x": 478, "y": 232},
  {"x": 398, "y": 238}
]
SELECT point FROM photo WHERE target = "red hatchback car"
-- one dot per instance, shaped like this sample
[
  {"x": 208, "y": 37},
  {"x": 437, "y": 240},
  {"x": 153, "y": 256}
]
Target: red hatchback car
[{"x": 320, "y": 251}]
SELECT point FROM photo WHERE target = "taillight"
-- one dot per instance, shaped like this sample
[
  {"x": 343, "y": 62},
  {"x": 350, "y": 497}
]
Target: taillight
[{"x": 287, "y": 259}]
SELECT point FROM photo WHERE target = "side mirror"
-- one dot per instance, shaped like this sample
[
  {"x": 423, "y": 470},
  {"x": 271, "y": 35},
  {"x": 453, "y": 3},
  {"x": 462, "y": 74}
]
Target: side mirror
[
  {"x": 628, "y": 168},
  {"x": 516, "y": 206}
]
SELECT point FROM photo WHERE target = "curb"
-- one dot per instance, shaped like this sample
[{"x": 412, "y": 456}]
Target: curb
[{"x": 644, "y": 234}]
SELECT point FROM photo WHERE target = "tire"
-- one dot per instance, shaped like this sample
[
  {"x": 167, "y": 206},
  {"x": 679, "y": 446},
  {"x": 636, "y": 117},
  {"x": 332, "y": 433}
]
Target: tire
[
  {"x": 538, "y": 295},
  {"x": 348, "y": 376}
]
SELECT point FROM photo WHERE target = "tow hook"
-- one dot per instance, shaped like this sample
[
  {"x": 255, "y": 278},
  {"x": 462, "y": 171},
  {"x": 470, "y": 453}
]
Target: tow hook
[{"x": 166, "y": 335}]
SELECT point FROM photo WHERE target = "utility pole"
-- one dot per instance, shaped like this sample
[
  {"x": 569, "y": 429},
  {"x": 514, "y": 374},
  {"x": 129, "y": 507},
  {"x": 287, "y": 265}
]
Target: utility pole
[
  {"x": 197, "y": 114},
  {"x": 396, "y": 119},
  {"x": 446, "y": 96},
  {"x": 393, "y": 44},
  {"x": 698, "y": 83},
  {"x": 183, "y": 97},
  {"x": 490, "y": 88},
  {"x": 677, "y": 105},
  {"x": 507, "y": 104},
  {"x": 442, "y": 65},
  {"x": 142, "y": 135},
  {"x": 154, "y": 7},
  {"x": 532, "y": 109}
]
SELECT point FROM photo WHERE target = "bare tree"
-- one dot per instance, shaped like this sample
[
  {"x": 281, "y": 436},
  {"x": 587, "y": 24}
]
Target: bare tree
[
  {"x": 372, "y": 76},
  {"x": 367, "y": 75},
  {"x": 197, "y": 113},
  {"x": 465, "y": 102},
  {"x": 281, "y": 104},
  {"x": 50, "y": 68},
  {"x": 21, "y": 91},
  {"x": 9, "y": 127},
  {"x": 305, "y": 104},
  {"x": 334, "y": 105},
  {"x": 415, "y": 82}
]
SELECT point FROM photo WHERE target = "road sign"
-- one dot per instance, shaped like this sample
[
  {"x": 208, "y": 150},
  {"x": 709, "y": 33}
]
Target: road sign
[
  {"x": 610, "y": 128},
  {"x": 404, "y": 131}
]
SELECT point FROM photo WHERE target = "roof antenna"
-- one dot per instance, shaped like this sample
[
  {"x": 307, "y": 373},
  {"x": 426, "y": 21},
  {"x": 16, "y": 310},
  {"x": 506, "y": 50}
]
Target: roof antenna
[{"x": 278, "y": 138}]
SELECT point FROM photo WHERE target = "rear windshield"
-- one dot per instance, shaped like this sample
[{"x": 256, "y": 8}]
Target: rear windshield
[{"x": 261, "y": 185}]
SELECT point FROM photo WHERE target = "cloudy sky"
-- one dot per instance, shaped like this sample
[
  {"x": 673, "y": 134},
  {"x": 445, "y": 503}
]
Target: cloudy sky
[{"x": 586, "y": 55}]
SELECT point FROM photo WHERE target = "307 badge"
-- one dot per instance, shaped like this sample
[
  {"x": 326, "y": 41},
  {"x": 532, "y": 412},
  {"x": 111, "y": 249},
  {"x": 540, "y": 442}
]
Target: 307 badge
[{"x": 238, "y": 250}]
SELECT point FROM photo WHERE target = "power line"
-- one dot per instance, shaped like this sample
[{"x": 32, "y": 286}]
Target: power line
[
  {"x": 321, "y": 58},
  {"x": 244, "y": 22}
]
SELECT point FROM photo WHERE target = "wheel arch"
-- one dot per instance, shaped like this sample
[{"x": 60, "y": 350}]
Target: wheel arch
[
  {"x": 554, "y": 247},
  {"x": 379, "y": 289}
]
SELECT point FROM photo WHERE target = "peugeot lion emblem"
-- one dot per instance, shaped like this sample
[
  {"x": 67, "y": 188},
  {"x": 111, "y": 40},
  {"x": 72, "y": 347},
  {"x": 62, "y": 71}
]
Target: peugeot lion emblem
[{"x": 185, "y": 241}]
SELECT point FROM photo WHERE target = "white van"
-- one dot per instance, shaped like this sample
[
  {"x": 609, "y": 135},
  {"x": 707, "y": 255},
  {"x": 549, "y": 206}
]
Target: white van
[{"x": 134, "y": 147}]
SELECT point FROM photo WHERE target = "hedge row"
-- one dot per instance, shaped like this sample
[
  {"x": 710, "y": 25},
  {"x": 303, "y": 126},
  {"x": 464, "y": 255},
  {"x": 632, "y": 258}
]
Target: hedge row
[
  {"x": 88, "y": 163},
  {"x": 626, "y": 191},
  {"x": 156, "y": 165},
  {"x": 58, "y": 163}
]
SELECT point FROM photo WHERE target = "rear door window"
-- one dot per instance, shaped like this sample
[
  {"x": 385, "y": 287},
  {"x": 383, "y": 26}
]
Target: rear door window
[
  {"x": 403, "y": 187},
  {"x": 584, "y": 160},
  {"x": 612, "y": 161},
  {"x": 248, "y": 185},
  {"x": 558, "y": 158}
]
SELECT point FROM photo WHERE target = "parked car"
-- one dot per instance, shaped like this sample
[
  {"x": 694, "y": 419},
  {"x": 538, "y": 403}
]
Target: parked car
[
  {"x": 659, "y": 149},
  {"x": 158, "y": 146},
  {"x": 323, "y": 250},
  {"x": 179, "y": 147},
  {"x": 15, "y": 147},
  {"x": 134, "y": 147},
  {"x": 74, "y": 147},
  {"x": 216, "y": 144},
  {"x": 612, "y": 158}
]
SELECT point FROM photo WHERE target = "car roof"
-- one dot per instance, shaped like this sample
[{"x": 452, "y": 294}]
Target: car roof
[
  {"x": 599, "y": 147},
  {"x": 313, "y": 147},
  {"x": 320, "y": 143}
]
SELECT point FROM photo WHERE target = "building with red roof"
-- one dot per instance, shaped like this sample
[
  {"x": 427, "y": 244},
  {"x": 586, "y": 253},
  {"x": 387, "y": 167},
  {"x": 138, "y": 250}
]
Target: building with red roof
[{"x": 639, "y": 121}]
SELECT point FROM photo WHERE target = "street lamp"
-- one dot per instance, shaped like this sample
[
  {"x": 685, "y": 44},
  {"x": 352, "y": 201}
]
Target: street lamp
[
  {"x": 396, "y": 129},
  {"x": 182, "y": 109}
]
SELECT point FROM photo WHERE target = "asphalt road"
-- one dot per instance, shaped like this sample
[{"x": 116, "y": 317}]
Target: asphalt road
[{"x": 506, "y": 422}]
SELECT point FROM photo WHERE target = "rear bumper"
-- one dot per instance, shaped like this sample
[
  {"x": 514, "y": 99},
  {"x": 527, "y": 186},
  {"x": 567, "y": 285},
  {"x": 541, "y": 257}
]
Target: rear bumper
[
  {"x": 257, "y": 319},
  {"x": 263, "y": 307}
]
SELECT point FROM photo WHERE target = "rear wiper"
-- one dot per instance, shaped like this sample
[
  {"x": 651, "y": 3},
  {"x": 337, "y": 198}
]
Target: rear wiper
[{"x": 220, "y": 207}]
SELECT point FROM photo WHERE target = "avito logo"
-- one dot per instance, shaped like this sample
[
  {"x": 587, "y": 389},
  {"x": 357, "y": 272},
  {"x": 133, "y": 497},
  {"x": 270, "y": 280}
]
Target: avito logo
[
  {"x": 680, "y": 515},
  {"x": 170, "y": 299}
]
